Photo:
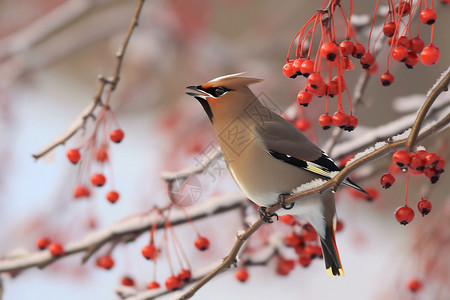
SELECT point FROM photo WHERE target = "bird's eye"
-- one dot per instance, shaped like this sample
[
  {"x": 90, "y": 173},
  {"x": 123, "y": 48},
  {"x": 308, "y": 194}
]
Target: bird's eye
[{"x": 220, "y": 91}]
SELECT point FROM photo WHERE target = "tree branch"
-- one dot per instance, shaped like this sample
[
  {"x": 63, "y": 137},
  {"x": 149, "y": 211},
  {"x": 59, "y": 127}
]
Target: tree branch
[
  {"x": 125, "y": 230},
  {"x": 112, "y": 83}
]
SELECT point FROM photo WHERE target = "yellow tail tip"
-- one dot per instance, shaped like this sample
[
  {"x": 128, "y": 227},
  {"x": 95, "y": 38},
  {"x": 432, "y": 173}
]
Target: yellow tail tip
[{"x": 330, "y": 272}]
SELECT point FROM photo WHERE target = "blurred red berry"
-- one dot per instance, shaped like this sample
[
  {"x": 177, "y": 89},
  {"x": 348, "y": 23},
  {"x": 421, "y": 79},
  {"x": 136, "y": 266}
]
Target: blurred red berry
[
  {"x": 173, "y": 283},
  {"x": 347, "y": 47},
  {"x": 404, "y": 41},
  {"x": 339, "y": 226},
  {"x": 304, "y": 261},
  {"x": 153, "y": 285},
  {"x": 105, "y": 262},
  {"x": 288, "y": 219},
  {"x": 292, "y": 239},
  {"x": 127, "y": 281},
  {"x": 325, "y": 121},
  {"x": 414, "y": 285},
  {"x": 56, "y": 249},
  {"x": 352, "y": 123},
  {"x": 241, "y": 275},
  {"x": 117, "y": 135},
  {"x": 304, "y": 98},
  {"x": 340, "y": 119},
  {"x": 184, "y": 275},
  {"x": 202, "y": 243},
  {"x": 288, "y": 69},
  {"x": 400, "y": 53},
  {"x": 389, "y": 29},
  {"x": 411, "y": 60},
  {"x": 417, "y": 44},
  {"x": 367, "y": 60},
  {"x": 403, "y": 8},
  {"x": 302, "y": 124},
  {"x": 359, "y": 50},
  {"x": 98, "y": 179},
  {"x": 386, "y": 79},
  {"x": 112, "y": 196},
  {"x": 73, "y": 155},
  {"x": 43, "y": 243},
  {"x": 149, "y": 252}
]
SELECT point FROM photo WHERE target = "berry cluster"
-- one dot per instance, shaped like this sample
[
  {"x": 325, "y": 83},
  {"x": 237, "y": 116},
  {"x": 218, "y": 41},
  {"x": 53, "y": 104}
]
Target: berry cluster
[
  {"x": 415, "y": 163},
  {"x": 93, "y": 152},
  {"x": 404, "y": 46},
  {"x": 332, "y": 56},
  {"x": 56, "y": 249}
]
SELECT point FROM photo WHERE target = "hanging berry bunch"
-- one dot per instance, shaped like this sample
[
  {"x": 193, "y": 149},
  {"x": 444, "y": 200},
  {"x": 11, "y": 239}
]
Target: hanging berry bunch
[
  {"x": 93, "y": 154},
  {"x": 331, "y": 57},
  {"x": 405, "y": 46},
  {"x": 420, "y": 162}
]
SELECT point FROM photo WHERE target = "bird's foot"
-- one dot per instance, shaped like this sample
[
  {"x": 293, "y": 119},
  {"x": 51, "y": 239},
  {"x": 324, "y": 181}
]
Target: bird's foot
[
  {"x": 265, "y": 216},
  {"x": 282, "y": 202}
]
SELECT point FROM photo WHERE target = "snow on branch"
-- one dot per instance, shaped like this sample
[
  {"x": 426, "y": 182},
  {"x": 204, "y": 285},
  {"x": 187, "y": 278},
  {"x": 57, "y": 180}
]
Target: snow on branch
[{"x": 124, "y": 230}]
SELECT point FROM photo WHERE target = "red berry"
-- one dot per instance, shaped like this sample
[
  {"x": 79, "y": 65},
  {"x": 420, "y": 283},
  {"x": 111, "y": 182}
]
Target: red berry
[
  {"x": 404, "y": 41},
  {"x": 404, "y": 214},
  {"x": 56, "y": 249},
  {"x": 367, "y": 60},
  {"x": 302, "y": 124},
  {"x": 414, "y": 285},
  {"x": 325, "y": 121},
  {"x": 292, "y": 239},
  {"x": 112, "y": 196},
  {"x": 411, "y": 60},
  {"x": 285, "y": 266},
  {"x": 149, "y": 251},
  {"x": 431, "y": 159},
  {"x": 329, "y": 51},
  {"x": 304, "y": 98},
  {"x": 333, "y": 88},
  {"x": 117, "y": 135},
  {"x": 102, "y": 154},
  {"x": 417, "y": 163},
  {"x": 315, "y": 81},
  {"x": 347, "y": 47},
  {"x": 127, "y": 281},
  {"x": 81, "y": 191},
  {"x": 184, "y": 275},
  {"x": 153, "y": 285},
  {"x": 417, "y": 44},
  {"x": 340, "y": 119},
  {"x": 304, "y": 261},
  {"x": 202, "y": 243},
  {"x": 401, "y": 158},
  {"x": 400, "y": 53},
  {"x": 98, "y": 179},
  {"x": 288, "y": 70},
  {"x": 389, "y": 29},
  {"x": 431, "y": 174},
  {"x": 386, "y": 79},
  {"x": 428, "y": 16},
  {"x": 241, "y": 275},
  {"x": 429, "y": 55},
  {"x": 320, "y": 91},
  {"x": 312, "y": 251},
  {"x": 403, "y": 8},
  {"x": 288, "y": 219},
  {"x": 424, "y": 206},
  {"x": 173, "y": 283},
  {"x": 307, "y": 67},
  {"x": 373, "y": 194},
  {"x": 359, "y": 50},
  {"x": 297, "y": 65},
  {"x": 352, "y": 123},
  {"x": 439, "y": 167},
  {"x": 387, "y": 180},
  {"x": 73, "y": 155},
  {"x": 43, "y": 243},
  {"x": 105, "y": 262}
]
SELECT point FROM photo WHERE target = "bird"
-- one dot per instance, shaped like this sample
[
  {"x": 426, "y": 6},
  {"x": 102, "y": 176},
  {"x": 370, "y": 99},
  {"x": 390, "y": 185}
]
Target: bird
[{"x": 268, "y": 157}]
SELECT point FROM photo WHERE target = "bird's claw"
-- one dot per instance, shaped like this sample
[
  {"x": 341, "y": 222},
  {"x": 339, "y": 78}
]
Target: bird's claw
[
  {"x": 265, "y": 216},
  {"x": 281, "y": 201}
]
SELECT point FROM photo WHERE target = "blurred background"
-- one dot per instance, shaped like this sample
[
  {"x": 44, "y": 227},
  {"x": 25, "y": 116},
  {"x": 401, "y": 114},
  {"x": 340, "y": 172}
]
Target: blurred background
[{"x": 51, "y": 52}]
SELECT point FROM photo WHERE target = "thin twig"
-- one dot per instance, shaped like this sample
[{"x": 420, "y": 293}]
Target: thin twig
[
  {"x": 438, "y": 89},
  {"x": 112, "y": 83}
]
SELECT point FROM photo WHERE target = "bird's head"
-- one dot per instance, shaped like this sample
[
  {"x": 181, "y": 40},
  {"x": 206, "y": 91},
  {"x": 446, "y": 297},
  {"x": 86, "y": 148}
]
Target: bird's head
[{"x": 222, "y": 90}]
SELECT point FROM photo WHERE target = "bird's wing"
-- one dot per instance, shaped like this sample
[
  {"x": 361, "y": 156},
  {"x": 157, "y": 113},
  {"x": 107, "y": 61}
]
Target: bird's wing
[{"x": 284, "y": 141}]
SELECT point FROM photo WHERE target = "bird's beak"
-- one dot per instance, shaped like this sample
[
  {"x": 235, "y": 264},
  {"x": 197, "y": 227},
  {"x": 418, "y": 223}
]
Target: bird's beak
[{"x": 198, "y": 91}]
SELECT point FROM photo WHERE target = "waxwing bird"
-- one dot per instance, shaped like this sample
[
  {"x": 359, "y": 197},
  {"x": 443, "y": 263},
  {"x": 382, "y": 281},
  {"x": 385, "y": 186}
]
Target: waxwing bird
[{"x": 268, "y": 157}]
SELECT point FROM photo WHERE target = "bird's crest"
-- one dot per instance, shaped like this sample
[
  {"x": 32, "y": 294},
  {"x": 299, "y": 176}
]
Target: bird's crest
[{"x": 231, "y": 81}]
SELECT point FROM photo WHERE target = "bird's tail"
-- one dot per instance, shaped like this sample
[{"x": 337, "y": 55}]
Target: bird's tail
[{"x": 331, "y": 254}]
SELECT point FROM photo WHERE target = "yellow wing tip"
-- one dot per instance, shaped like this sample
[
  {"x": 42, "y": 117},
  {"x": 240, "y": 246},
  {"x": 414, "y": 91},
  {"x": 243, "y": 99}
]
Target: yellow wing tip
[{"x": 330, "y": 272}]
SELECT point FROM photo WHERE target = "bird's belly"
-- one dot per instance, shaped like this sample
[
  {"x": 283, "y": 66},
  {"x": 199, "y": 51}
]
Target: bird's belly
[{"x": 262, "y": 177}]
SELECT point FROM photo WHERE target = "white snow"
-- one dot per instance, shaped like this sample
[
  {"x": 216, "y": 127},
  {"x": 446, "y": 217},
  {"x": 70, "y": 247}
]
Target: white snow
[
  {"x": 309, "y": 186},
  {"x": 438, "y": 81}
]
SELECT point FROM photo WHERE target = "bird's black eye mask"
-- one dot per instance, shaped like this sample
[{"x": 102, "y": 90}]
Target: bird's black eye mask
[{"x": 215, "y": 92}]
